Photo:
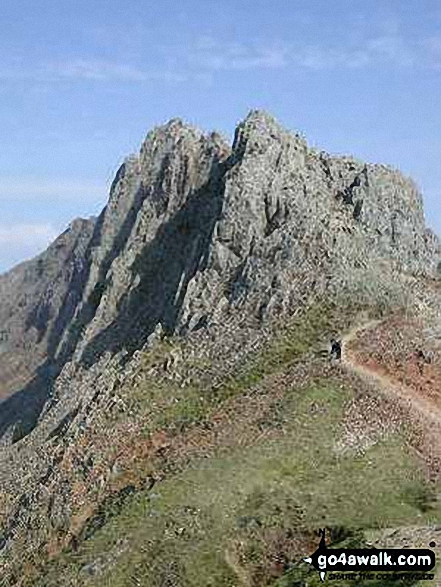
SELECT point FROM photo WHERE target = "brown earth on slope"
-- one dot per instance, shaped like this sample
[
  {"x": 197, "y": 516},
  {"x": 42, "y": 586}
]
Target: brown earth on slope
[
  {"x": 401, "y": 357},
  {"x": 121, "y": 454},
  {"x": 393, "y": 349},
  {"x": 212, "y": 246}
]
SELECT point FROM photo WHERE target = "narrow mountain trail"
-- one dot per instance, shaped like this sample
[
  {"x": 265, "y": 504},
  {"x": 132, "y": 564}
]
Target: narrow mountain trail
[
  {"x": 418, "y": 405},
  {"x": 419, "y": 408}
]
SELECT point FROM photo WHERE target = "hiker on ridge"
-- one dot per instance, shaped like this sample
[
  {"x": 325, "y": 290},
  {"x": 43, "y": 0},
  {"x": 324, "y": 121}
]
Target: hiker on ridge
[{"x": 335, "y": 352}]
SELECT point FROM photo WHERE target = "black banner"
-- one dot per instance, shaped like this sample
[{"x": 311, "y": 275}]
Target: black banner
[{"x": 397, "y": 560}]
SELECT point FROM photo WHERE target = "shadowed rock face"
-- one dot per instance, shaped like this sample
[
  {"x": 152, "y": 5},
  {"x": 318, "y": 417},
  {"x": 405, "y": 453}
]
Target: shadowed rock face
[
  {"x": 218, "y": 230},
  {"x": 218, "y": 245},
  {"x": 195, "y": 231},
  {"x": 38, "y": 299}
]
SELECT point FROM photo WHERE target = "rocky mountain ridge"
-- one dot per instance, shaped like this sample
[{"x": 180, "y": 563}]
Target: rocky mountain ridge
[
  {"x": 210, "y": 244},
  {"x": 267, "y": 199},
  {"x": 195, "y": 230}
]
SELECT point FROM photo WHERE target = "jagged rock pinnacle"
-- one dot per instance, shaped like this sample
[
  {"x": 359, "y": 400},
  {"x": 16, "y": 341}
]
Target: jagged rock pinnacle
[
  {"x": 195, "y": 230},
  {"x": 202, "y": 251}
]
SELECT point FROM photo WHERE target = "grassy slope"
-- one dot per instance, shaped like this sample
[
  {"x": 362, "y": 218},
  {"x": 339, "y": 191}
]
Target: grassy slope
[{"x": 247, "y": 515}]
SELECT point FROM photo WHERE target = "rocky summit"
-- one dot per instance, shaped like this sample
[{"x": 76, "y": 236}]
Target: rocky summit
[{"x": 205, "y": 253}]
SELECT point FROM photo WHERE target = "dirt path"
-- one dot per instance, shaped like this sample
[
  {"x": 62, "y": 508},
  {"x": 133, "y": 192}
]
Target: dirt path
[
  {"x": 418, "y": 405},
  {"x": 402, "y": 537}
]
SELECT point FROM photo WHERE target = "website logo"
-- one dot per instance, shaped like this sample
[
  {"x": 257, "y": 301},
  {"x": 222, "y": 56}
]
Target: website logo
[{"x": 370, "y": 560}]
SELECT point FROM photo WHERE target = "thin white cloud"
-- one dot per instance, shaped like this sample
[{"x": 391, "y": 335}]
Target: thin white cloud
[
  {"x": 90, "y": 69},
  {"x": 87, "y": 70},
  {"x": 394, "y": 49},
  {"x": 238, "y": 57},
  {"x": 48, "y": 189},
  {"x": 207, "y": 55},
  {"x": 23, "y": 241},
  {"x": 32, "y": 236},
  {"x": 96, "y": 70},
  {"x": 388, "y": 48},
  {"x": 384, "y": 49}
]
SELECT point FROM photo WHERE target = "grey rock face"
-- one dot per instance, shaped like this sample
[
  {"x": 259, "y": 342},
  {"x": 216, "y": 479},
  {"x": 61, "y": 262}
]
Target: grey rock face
[
  {"x": 220, "y": 230},
  {"x": 196, "y": 233},
  {"x": 199, "y": 239},
  {"x": 38, "y": 300}
]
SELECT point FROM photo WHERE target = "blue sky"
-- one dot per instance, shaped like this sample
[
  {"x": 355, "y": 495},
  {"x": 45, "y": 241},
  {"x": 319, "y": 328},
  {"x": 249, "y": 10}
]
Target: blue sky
[{"x": 81, "y": 83}]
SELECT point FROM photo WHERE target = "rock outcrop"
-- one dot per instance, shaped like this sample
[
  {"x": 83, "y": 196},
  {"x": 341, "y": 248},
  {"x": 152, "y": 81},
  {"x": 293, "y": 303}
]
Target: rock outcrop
[
  {"x": 196, "y": 231},
  {"x": 38, "y": 300},
  {"x": 199, "y": 240}
]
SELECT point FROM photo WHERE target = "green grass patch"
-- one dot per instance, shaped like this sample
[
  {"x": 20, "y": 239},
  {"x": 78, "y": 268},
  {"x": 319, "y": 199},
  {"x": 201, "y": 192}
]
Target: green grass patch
[
  {"x": 170, "y": 406},
  {"x": 246, "y": 516},
  {"x": 225, "y": 520}
]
